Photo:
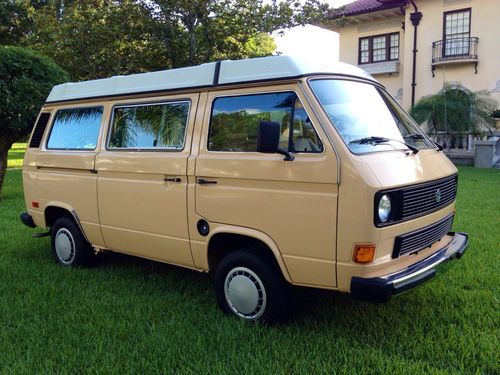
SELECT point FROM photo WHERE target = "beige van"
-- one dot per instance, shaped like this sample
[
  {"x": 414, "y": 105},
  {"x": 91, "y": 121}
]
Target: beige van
[{"x": 266, "y": 172}]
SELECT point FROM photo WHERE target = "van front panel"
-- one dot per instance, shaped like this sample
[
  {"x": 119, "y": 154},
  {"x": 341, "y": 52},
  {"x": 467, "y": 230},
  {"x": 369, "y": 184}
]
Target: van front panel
[
  {"x": 371, "y": 165},
  {"x": 292, "y": 202}
]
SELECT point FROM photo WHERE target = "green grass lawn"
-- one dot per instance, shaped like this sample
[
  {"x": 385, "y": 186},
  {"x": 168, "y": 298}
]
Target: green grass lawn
[
  {"x": 135, "y": 316},
  {"x": 16, "y": 155}
]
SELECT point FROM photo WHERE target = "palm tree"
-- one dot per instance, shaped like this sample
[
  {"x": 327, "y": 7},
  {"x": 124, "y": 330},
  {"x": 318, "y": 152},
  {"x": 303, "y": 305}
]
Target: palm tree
[
  {"x": 456, "y": 110},
  {"x": 164, "y": 124}
]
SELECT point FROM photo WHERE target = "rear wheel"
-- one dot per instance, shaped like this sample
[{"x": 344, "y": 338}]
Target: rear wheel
[
  {"x": 68, "y": 245},
  {"x": 252, "y": 287}
]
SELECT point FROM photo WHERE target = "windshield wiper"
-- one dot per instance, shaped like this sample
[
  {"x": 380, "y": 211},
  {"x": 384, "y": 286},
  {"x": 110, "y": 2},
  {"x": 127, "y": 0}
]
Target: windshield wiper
[
  {"x": 439, "y": 147},
  {"x": 381, "y": 140},
  {"x": 370, "y": 140},
  {"x": 414, "y": 136}
]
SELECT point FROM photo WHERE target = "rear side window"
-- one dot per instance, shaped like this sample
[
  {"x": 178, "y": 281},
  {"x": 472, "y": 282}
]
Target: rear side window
[
  {"x": 235, "y": 121},
  {"x": 42, "y": 122},
  {"x": 75, "y": 129},
  {"x": 152, "y": 126}
]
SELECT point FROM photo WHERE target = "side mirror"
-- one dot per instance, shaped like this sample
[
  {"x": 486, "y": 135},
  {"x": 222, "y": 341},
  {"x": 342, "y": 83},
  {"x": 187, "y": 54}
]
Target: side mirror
[{"x": 268, "y": 139}]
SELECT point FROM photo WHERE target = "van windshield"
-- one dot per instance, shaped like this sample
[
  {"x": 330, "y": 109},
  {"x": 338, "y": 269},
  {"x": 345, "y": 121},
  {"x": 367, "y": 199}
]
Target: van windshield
[{"x": 367, "y": 118}]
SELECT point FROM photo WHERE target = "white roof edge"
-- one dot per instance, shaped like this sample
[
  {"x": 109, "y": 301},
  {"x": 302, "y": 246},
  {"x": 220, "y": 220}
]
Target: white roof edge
[
  {"x": 231, "y": 71},
  {"x": 276, "y": 67}
]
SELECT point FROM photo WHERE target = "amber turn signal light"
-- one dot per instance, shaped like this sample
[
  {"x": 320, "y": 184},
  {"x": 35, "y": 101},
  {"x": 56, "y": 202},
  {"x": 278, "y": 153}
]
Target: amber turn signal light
[{"x": 364, "y": 253}]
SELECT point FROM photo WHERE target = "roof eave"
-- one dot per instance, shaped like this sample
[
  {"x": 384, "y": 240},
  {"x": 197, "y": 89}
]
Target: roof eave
[
  {"x": 383, "y": 7},
  {"x": 340, "y": 22}
]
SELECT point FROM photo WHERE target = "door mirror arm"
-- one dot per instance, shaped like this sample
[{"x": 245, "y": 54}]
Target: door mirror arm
[{"x": 288, "y": 155}]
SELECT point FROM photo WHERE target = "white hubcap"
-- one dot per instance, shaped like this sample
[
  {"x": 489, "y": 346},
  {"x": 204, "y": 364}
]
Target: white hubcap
[
  {"x": 245, "y": 293},
  {"x": 65, "y": 246}
]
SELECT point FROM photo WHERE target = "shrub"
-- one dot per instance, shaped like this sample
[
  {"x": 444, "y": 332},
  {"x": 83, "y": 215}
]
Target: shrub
[{"x": 26, "y": 79}]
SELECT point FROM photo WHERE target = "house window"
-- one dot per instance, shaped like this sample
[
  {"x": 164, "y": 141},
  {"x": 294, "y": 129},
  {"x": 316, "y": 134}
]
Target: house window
[
  {"x": 456, "y": 32},
  {"x": 379, "y": 48}
]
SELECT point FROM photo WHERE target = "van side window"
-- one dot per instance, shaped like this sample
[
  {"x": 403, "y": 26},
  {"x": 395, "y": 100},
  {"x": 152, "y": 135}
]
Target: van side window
[
  {"x": 235, "y": 121},
  {"x": 151, "y": 126},
  {"x": 75, "y": 129}
]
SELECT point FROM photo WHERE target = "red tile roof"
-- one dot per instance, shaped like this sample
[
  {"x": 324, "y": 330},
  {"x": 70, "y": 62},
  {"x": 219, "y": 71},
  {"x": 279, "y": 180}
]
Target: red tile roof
[{"x": 369, "y": 6}]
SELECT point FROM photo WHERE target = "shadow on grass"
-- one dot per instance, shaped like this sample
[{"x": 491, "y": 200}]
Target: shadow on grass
[
  {"x": 320, "y": 317},
  {"x": 175, "y": 279},
  {"x": 139, "y": 310},
  {"x": 140, "y": 290},
  {"x": 313, "y": 308}
]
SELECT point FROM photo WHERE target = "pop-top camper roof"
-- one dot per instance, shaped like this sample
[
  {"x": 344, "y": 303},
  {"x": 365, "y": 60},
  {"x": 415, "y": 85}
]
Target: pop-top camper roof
[{"x": 205, "y": 75}]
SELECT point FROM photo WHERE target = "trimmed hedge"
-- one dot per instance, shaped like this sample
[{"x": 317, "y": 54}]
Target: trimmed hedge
[{"x": 26, "y": 79}]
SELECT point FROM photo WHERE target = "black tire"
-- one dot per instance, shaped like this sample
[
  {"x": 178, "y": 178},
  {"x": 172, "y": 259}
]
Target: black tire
[
  {"x": 271, "y": 297},
  {"x": 68, "y": 245}
]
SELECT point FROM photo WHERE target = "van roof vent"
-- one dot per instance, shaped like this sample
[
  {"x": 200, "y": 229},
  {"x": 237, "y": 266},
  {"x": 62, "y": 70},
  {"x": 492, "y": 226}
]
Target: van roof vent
[{"x": 40, "y": 126}]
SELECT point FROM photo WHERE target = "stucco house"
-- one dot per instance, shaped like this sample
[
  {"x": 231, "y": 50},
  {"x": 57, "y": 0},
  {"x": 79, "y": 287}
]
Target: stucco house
[{"x": 413, "y": 47}]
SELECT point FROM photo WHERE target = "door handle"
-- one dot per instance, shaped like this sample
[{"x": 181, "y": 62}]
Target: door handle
[
  {"x": 202, "y": 181},
  {"x": 172, "y": 179}
]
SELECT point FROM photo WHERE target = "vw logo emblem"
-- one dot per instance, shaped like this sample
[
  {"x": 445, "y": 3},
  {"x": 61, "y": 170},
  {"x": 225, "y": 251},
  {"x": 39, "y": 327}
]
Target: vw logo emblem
[{"x": 438, "y": 195}]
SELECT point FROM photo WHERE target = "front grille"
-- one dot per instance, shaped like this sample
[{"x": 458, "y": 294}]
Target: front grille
[
  {"x": 421, "y": 199},
  {"x": 415, "y": 241},
  {"x": 410, "y": 202}
]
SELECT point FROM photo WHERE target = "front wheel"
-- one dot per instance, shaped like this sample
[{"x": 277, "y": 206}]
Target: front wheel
[
  {"x": 252, "y": 287},
  {"x": 68, "y": 245}
]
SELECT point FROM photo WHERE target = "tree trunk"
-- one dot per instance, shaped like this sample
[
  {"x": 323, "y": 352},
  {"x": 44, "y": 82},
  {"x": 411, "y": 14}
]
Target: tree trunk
[
  {"x": 192, "y": 44},
  {"x": 168, "y": 42},
  {"x": 208, "y": 40},
  {"x": 5, "y": 146}
]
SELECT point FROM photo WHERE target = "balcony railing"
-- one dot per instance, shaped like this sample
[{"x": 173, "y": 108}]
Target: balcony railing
[
  {"x": 455, "y": 49},
  {"x": 454, "y": 140}
]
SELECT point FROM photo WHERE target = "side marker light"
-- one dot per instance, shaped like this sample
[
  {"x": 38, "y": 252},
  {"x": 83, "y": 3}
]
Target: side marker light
[{"x": 364, "y": 253}]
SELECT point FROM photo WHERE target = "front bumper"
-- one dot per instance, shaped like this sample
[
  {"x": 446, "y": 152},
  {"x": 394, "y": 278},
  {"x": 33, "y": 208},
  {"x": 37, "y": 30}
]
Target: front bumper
[
  {"x": 382, "y": 288},
  {"x": 27, "y": 220}
]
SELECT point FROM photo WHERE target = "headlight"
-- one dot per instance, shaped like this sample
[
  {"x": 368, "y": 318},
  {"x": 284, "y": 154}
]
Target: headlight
[{"x": 384, "y": 208}]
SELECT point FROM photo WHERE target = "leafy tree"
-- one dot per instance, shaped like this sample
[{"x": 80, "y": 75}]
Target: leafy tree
[
  {"x": 98, "y": 38},
  {"x": 25, "y": 81},
  {"x": 465, "y": 110},
  {"x": 15, "y": 20},
  {"x": 197, "y": 31}
]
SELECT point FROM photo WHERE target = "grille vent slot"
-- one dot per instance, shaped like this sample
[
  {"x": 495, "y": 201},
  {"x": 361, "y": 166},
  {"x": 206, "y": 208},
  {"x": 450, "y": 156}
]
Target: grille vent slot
[
  {"x": 419, "y": 200},
  {"x": 415, "y": 241},
  {"x": 40, "y": 126}
]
